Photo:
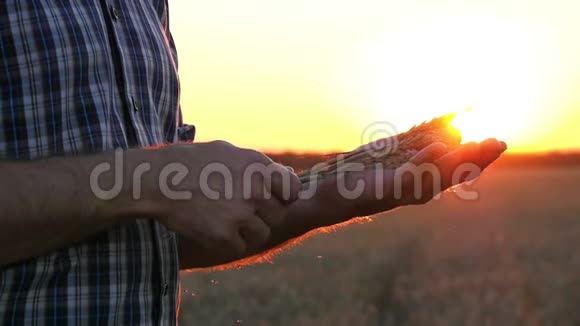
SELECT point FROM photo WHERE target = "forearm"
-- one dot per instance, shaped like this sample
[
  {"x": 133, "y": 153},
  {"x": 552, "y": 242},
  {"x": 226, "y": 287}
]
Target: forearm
[{"x": 48, "y": 204}]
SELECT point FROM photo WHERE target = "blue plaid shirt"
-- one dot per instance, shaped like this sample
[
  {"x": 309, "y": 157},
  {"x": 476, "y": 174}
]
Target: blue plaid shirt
[{"x": 82, "y": 76}]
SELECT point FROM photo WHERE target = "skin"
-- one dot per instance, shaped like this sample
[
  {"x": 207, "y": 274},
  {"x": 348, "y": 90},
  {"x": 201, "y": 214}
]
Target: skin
[{"x": 60, "y": 207}]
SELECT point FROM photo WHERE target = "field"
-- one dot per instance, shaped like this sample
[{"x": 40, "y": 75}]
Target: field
[{"x": 510, "y": 258}]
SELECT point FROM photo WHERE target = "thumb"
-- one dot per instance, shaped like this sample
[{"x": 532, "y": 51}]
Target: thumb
[{"x": 429, "y": 154}]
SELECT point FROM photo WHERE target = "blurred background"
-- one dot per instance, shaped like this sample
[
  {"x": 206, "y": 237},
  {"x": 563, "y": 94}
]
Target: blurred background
[{"x": 295, "y": 78}]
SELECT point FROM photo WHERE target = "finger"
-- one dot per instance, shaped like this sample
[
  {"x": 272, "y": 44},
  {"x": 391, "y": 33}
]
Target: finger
[
  {"x": 255, "y": 232},
  {"x": 451, "y": 164},
  {"x": 467, "y": 153},
  {"x": 429, "y": 154},
  {"x": 466, "y": 158},
  {"x": 282, "y": 183},
  {"x": 271, "y": 211},
  {"x": 491, "y": 150},
  {"x": 481, "y": 154}
]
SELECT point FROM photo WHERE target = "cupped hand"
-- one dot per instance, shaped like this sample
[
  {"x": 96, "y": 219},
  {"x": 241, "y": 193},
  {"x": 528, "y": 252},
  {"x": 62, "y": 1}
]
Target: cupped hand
[{"x": 428, "y": 173}]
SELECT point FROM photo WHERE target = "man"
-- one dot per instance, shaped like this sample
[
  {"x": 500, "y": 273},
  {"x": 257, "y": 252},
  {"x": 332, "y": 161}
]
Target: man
[{"x": 84, "y": 244}]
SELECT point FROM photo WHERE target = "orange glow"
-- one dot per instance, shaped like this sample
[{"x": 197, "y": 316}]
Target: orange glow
[
  {"x": 477, "y": 125},
  {"x": 309, "y": 75}
]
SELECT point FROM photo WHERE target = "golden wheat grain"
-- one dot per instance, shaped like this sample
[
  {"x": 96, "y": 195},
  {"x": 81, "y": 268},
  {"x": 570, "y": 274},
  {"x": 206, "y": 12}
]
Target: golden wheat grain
[{"x": 390, "y": 152}]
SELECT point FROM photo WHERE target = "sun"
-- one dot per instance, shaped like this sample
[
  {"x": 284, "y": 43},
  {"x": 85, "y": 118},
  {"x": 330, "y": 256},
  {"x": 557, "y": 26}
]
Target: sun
[
  {"x": 477, "y": 125},
  {"x": 430, "y": 68}
]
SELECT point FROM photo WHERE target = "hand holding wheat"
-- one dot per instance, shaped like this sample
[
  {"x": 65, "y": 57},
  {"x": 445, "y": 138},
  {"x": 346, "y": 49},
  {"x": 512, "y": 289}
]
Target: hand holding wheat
[
  {"x": 435, "y": 142},
  {"x": 393, "y": 152}
]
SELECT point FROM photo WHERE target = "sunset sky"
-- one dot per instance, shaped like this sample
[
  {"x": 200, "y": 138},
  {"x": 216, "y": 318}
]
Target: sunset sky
[{"x": 311, "y": 75}]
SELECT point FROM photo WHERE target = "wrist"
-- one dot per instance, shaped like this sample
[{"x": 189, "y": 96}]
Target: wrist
[
  {"x": 120, "y": 184},
  {"x": 142, "y": 191},
  {"x": 148, "y": 180}
]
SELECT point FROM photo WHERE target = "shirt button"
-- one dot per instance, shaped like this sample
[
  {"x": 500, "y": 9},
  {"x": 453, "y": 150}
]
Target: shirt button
[
  {"x": 115, "y": 13},
  {"x": 136, "y": 106}
]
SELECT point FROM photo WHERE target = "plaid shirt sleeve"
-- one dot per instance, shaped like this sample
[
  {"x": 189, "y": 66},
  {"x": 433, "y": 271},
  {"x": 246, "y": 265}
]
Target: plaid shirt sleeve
[{"x": 82, "y": 76}]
